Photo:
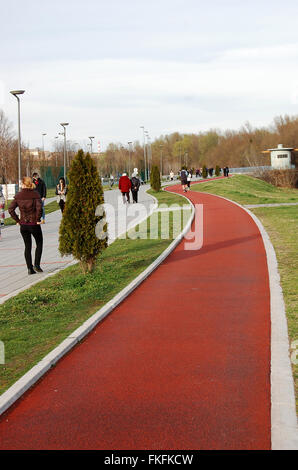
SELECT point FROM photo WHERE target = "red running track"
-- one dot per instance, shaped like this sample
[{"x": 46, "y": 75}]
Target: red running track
[{"x": 183, "y": 363}]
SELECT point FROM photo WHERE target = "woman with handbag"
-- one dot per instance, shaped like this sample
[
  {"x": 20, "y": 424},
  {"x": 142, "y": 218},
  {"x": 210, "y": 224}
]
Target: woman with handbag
[
  {"x": 61, "y": 191},
  {"x": 29, "y": 203}
]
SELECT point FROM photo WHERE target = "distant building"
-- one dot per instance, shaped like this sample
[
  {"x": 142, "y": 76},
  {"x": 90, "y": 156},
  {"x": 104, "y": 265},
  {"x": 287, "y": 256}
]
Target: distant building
[
  {"x": 37, "y": 154},
  {"x": 282, "y": 158}
]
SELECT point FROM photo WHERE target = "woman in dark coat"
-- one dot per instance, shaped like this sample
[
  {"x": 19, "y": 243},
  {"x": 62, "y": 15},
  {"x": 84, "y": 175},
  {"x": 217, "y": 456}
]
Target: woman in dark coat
[{"x": 29, "y": 202}]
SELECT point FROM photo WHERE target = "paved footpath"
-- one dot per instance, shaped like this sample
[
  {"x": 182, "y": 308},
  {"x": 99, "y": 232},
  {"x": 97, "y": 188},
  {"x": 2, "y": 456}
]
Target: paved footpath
[
  {"x": 13, "y": 271},
  {"x": 182, "y": 363}
]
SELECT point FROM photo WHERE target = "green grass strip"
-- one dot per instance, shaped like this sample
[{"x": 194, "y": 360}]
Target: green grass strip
[
  {"x": 248, "y": 190},
  {"x": 38, "y": 319},
  {"x": 281, "y": 224}
]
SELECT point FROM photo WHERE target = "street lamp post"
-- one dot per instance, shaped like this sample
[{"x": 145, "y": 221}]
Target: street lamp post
[
  {"x": 15, "y": 93},
  {"x": 56, "y": 149},
  {"x": 64, "y": 124},
  {"x": 142, "y": 127},
  {"x": 91, "y": 144},
  {"x": 43, "y": 144},
  {"x": 149, "y": 154},
  {"x": 129, "y": 166}
]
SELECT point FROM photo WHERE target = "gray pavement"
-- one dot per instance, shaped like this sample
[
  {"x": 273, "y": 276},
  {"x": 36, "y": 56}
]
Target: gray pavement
[
  {"x": 278, "y": 204},
  {"x": 13, "y": 270}
]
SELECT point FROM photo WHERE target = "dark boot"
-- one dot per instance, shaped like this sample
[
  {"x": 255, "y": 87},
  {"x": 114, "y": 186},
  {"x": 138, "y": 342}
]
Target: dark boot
[{"x": 38, "y": 269}]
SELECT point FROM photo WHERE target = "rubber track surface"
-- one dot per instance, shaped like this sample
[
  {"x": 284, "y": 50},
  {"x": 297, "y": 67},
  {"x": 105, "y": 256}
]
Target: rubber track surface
[{"x": 182, "y": 363}]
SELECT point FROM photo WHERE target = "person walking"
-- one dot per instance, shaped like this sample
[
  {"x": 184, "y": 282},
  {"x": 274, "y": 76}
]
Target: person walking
[
  {"x": 135, "y": 186},
  {"x": 42, "y": 190},
  {"x": 124, "y": 186},
  {"x": 189, "y": 176},
  {"x": 183, "y": 177},
  {"x": 2, "y": 211},
  {"x": 61, "y": 191},
  {"x": 227, "y": 171},
  {"x": 171, "y": 175},
  {"x": 29, "y": 203}
]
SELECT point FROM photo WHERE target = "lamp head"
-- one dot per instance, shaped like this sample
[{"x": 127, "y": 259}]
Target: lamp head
[
  {"x": 17, "y": 92},
  {"x": 64, "y": 124}
]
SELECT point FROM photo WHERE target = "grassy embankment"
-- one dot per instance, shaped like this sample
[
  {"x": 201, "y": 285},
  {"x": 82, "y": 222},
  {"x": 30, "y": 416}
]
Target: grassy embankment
[
  {"x": 37, "y": 320},
  {"x": 281, "y": 224}
]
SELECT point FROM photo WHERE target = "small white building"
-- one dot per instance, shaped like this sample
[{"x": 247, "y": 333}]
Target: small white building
[{"x": 281, "y": 158}]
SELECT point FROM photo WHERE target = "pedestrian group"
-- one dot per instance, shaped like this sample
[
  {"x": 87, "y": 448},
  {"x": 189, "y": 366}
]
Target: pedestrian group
[
  {"x": 31, "y": 204},
  {"x": 126, "y": 185}
]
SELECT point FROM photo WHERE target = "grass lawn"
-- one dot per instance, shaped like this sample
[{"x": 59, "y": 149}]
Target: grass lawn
[
  {"x": 248, "y": 190},
  {"x": 281, "y": 224},
  {"x": 38, "y": 319}
]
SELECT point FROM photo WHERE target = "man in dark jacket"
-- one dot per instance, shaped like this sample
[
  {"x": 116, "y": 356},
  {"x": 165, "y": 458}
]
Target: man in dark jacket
[
  {"x": 183, "y": 176},
  {"x": 135, "y": 186},
  {"x": 42, "y": 190}
]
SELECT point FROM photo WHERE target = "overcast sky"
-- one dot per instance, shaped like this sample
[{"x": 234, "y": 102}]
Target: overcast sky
[{"x": 109, "y": 67}]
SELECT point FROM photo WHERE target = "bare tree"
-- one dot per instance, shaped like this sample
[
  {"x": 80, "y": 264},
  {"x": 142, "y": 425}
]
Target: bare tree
[{"x": 6, "y": 148}]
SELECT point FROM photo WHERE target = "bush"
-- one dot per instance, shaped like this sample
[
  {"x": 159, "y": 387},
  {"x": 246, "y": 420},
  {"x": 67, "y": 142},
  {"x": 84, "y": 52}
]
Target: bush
[
  {"x": 155, "y": 178},
  {"x": 77, "y": 228},
  {"x": 281, "y": 178},
  {"x": 217, "y": 170},
  {"x": 204, "y": 172}
]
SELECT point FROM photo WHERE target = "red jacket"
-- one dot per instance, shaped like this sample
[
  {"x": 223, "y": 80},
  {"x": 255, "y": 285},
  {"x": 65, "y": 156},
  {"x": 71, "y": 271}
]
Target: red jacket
[{"x": 124, "y": 184}]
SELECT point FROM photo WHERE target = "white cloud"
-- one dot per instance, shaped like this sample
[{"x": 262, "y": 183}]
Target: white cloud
[
  {"x": 114, "y": 97},
  {"x": 110, "y": 67}
]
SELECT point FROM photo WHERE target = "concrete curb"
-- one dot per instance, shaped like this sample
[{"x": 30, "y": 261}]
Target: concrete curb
[
  {"x": 11, "y": 395},
  {"x": 284, "y": 428}
]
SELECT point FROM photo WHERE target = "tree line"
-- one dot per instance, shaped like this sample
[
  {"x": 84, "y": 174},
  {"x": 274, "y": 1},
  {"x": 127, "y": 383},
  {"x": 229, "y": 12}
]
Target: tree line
[{"x": 232, "y": 148}]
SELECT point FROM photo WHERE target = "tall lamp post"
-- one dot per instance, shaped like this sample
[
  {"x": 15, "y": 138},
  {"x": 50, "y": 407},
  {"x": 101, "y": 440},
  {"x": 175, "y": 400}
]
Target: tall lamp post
[
  {"x": 56, "y": 149},
  {"x": 149, "y": 154},
  {"x": 64, "y": 124},
  {"x": 142, "y": 127},
  {"x": 15, "y": 93},
  {"x": 91, "y": 143},
  {"x": 43, "y": 144},
  {"x": 129, "y": 147}
]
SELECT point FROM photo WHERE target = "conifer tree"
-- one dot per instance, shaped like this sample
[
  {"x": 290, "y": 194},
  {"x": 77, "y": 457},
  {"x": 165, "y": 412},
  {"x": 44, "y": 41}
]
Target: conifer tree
[
  {"x": 204, "y": 172},
  {"x": 217, "y": 170},
  {"x": 155, "y": 178},
  {"x": 83, "y": 233}
]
